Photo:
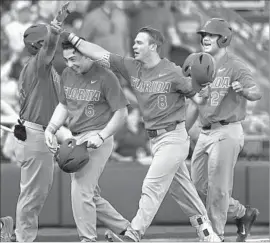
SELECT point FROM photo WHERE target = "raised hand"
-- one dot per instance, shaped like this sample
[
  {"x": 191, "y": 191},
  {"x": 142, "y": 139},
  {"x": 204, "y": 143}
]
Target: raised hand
[{"x": 62, "y": 13}]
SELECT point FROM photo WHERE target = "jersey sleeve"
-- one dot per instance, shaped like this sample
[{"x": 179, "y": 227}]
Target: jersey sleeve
[
  {"x": 243, "y": 75},
  {"x": 122, "y": 65},
  {"x": 183, "y": 84},
  {"x": 62, "y": 95},
  {"x": 113, "y": 92}
]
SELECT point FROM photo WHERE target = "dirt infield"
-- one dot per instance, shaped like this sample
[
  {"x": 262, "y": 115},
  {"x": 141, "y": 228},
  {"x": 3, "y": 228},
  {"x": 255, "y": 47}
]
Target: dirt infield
[{"x": 175, "y": 233}]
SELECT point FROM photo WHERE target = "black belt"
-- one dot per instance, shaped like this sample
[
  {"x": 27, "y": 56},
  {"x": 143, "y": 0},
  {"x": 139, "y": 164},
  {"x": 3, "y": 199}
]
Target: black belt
[
  {"x": 222, "y": 122},
  {"x": 76, "y": 133},
  {"x": 155, "y": 133}
]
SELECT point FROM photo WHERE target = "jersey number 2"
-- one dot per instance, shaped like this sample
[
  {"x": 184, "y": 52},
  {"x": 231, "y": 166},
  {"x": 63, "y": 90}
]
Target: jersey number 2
[
  {"x": 215, "y": 97},
  {"x": 89, "y": 110},
  {"x": 162, "y": 102}
]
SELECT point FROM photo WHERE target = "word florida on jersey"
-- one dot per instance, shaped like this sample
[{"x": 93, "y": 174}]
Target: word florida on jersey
[
  {"x": 82, "y": 94},
  {"x": 150, "y": 86}
]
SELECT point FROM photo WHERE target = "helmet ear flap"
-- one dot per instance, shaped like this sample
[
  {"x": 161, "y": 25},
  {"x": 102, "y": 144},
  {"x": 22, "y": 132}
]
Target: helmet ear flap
[{"x": 224, "y": 41}]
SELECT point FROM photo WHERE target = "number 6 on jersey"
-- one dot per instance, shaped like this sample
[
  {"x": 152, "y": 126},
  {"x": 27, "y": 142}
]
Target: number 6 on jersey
[{"x": 89, "y": 110}]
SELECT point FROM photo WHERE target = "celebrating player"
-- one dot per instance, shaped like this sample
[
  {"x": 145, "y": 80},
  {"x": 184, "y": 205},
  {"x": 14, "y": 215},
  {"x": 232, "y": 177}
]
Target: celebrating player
[
  {"x": 38, "y": 85},
  {"x": 160, "y": 88},
  {"x": 93, "y": 100},
  {"x": 222, "y": 137}
]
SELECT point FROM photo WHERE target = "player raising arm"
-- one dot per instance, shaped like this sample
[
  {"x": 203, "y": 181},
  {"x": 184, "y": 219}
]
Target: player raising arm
[
  {"x": 161, "y": 89},
  {"x": 222, "y": 137},
  {"x": 38, "y": 84}
]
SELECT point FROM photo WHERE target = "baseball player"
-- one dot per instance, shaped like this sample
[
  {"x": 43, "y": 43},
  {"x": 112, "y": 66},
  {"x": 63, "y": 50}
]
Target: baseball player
[
  {"x": 93, "y": 100},
  {"x": 160, "y": 88},
  {"x": 222, "y": 137},
  {"x": 38, "y": 84}
]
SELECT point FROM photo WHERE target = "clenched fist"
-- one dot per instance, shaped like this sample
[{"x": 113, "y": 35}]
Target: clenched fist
[{"x": 237, "y": 87}]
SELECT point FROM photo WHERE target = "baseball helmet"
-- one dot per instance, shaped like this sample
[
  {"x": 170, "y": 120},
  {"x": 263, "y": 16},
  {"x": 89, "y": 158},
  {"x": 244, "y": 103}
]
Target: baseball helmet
[
  {"x": 34, "y": 37},
  {"x": 219, "y": 27},
  {"x": 202, "y": 71},
  {"x": 71, "y": 157},
  {"x": 186, "y": 68}
]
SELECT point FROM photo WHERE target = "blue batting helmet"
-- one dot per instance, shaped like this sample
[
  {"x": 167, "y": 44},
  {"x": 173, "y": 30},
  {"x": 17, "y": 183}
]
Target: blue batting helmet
[{"x": 219, "y": 27}]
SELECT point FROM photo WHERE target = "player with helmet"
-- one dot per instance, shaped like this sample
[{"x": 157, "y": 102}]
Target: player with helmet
[
  {"x": 38, "y": 88},
  {"x": 94, "y": 103},
  {"x": 222, "y": 137},
  {"x": 160, "y": 88}
]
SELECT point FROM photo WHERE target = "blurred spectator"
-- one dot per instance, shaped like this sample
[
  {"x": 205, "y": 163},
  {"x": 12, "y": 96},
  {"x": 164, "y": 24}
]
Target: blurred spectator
[
  {"x": 9, "y": 86},
  {"x": 22, "y": 19},
  {"x": 9, "y": 118},
  {"x": 131, "y": 143},
  {"x": 107, "y": 26},
  {"x": 46, "y": 10},
  {"x": 151, "y": 13},
  {"x": 187, "y": 20},
  {"x": 83, "y": 6}
]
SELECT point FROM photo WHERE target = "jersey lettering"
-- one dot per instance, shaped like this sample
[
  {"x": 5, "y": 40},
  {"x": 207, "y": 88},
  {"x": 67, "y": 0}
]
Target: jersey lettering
[
  {"x": 221, "y": 82},
  {"x": 150, "y": 86},
  {"x": 82, "y": 94},
  {"x": 219, "y": 86}
]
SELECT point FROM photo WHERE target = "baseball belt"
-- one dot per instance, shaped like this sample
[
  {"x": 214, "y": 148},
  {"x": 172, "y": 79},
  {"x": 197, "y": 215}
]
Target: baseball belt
[
  {"x": 34, "y": 126},
  {"x": 155, "y": 133},
  {"x": 215, "y": 125}
]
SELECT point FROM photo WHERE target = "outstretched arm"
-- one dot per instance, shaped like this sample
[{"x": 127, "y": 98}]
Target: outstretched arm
[
  {"x": 48, "y": 49},
  {"x": 95, "y": 52}
]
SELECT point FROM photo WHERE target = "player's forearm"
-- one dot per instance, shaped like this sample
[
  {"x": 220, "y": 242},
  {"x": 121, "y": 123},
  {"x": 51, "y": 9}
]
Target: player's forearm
[
  {"x": 252, "y": 93},
  {"x": 58, "y": 118},
  {"x": 95, "y": 52},
  {"x": 50, "y": 45},
  {"x": 198, "y": 100},
  {"x": 115, "y": 124},
  {"x": 192, "y": 113}
]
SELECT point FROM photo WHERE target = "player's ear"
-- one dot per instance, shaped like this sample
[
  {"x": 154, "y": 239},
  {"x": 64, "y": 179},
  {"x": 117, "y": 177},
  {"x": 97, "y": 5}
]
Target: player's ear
[{"x": 153, "y": 47}]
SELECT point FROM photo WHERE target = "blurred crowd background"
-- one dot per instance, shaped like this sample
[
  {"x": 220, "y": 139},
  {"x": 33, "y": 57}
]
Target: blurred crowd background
[{"x": 113, "y": 25}]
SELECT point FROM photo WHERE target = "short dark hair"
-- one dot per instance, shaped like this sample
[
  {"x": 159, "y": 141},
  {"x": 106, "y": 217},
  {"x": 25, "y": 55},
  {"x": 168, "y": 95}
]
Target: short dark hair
[
  {"x": 68, "y": 45},
  {"x": 156, "y": 37}
]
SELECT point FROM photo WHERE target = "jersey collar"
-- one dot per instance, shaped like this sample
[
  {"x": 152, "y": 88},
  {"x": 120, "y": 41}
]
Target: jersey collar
[{"x": 223, "y": 60}]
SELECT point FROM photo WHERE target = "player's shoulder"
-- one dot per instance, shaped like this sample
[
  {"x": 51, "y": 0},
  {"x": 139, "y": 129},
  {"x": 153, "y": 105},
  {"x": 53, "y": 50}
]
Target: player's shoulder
[
  {"x": 67, "y": 72},
  {"x": 103, "y": 72},
  {"x": 236, "y": 62},
  {"x": 171, "y": 67}
]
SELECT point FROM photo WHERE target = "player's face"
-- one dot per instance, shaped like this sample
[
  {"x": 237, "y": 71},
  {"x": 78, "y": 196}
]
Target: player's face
[
  {"x": 141, "y": 46},
  {"x": 209, "y": 43},
  {"x": 77, "y": 62}
]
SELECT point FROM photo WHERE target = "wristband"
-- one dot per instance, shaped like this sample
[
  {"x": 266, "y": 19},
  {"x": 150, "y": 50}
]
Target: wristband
[
  {"x": 74, "y": 40},
  {"x": 52, "y": 128},
  {"x": 100, "y": 137}
]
